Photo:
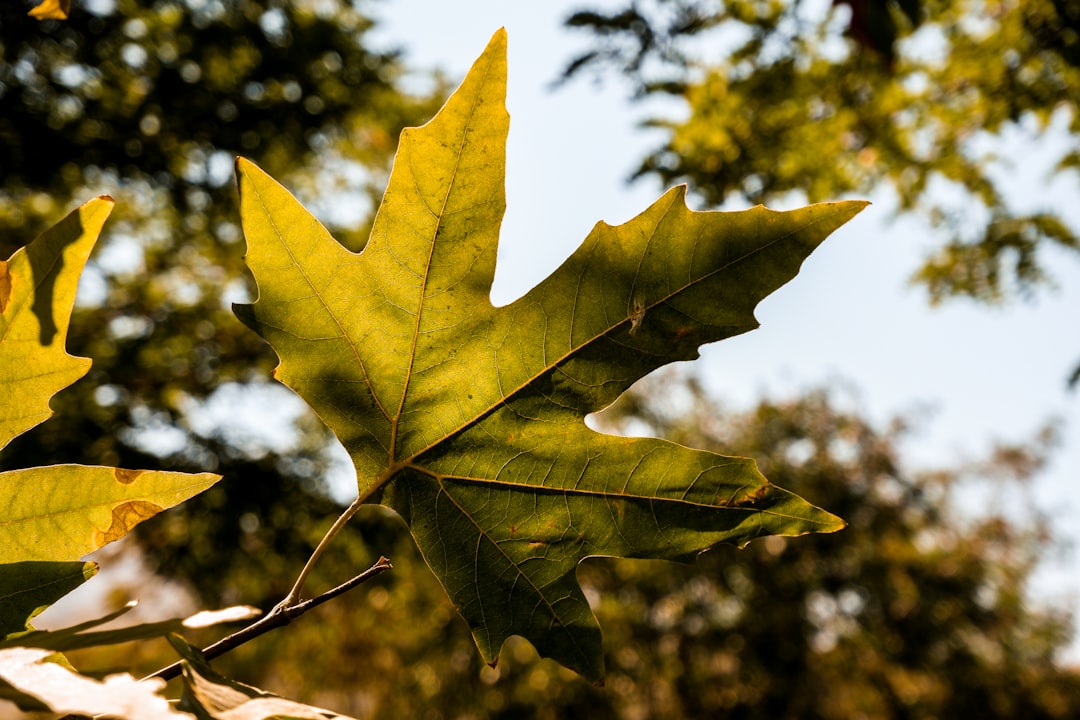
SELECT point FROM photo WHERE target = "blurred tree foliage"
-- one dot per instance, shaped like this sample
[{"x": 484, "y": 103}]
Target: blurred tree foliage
[
  {"x": 829, "y": 99},
  {"x": 150, "y": 102},
  {"x": 916, "y": 610}
]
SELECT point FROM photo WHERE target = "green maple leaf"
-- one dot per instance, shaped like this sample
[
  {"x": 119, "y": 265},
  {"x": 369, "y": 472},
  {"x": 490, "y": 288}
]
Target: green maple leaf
[
  {"x": 52, "y": 516},
  {"x": 468, "y": 419}
]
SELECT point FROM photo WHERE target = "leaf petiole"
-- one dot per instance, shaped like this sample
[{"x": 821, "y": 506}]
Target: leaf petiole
[{"x": 294, "y": 594}]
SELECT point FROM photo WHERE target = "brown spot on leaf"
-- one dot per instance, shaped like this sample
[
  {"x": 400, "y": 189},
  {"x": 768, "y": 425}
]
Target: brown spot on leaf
[
  {"x": 126, "y": 477},
  {"x": 637, "y": 314},
  {"x": 750, "y": 498},
  {"x": 5, "y": 285},
  {"x": 125, "y": 516}
]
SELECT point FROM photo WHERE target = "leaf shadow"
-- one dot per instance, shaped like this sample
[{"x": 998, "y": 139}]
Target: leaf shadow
[{"x": 45, "y": 268}]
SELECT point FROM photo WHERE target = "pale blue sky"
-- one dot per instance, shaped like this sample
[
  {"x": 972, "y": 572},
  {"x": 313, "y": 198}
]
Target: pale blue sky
[{"x": 849, "y": 317}]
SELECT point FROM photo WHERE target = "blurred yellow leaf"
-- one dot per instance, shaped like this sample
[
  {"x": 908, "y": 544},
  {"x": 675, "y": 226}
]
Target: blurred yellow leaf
[{"x": 52, "y": 10}]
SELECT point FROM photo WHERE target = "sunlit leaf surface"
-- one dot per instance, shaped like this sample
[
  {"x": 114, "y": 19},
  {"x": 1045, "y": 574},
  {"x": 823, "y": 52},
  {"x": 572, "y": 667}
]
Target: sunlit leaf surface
[
  {"x": 37, "y": 293},
  {"x": 63, "y": 512}
]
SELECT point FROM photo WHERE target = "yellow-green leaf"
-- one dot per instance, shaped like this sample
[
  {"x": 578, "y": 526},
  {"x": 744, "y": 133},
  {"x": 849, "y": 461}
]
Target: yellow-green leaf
[
  {"x": 468, "y": 419},
  {"x": 37, "y": 293},
  {"x": 63, "y": 512}
]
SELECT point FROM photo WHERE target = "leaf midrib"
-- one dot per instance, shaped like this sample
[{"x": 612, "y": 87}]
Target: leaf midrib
[
  {"x": 440, "y": 216},
  {"x": 538, "y": 489},
  {"x": 42, "y": 586}
]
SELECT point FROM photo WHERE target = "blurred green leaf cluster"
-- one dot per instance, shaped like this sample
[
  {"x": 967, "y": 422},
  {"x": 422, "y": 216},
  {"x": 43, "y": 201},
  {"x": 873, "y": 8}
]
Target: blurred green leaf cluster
[{"x": 827, "y": 99}]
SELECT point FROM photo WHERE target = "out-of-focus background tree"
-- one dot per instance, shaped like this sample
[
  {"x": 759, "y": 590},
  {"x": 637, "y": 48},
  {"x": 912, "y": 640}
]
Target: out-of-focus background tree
[
  {"x": 826, "y": 99},
  {"x": 916, "y": 610}
]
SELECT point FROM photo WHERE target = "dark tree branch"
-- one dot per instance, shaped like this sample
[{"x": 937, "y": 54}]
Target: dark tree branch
[{"x": 281, "y": 615}]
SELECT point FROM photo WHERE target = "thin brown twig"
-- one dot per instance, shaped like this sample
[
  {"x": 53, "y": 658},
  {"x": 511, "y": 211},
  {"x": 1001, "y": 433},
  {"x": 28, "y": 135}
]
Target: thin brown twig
[
  {"x": 281, "y": 615},
  {"x": 294, "y": 594}
]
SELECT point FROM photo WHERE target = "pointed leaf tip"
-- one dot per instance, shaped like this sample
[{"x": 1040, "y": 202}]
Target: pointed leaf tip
[{"x": 63, "y": 512}]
